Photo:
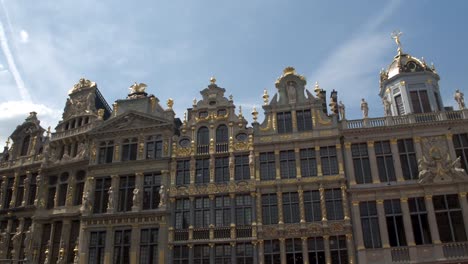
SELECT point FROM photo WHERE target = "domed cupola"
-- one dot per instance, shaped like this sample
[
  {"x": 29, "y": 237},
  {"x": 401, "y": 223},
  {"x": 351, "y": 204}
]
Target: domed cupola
[{"x": 409, "y": 85}]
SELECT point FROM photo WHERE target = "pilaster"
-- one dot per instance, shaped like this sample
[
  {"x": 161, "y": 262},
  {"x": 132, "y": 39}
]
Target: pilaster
[
  {"x": 464, "y": 207},
  {"x": 382, "y": 224},
  {"x": 451, "y": 147},
  {"x": 357, "y": 227},
  {"x": 373, "y": 162},
  {"x": 326, "y": 247},
  {"x": 396, "y": 159},
  {"x": 305, "y": 253},
  {"x": 348, "y": 159}
]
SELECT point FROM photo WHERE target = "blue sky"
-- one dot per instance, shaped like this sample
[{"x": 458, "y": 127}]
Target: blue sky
[{"x": 176, "y": 46}]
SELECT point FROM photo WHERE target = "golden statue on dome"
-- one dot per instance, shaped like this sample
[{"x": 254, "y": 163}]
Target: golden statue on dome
[{"x": 396, "y": 36}]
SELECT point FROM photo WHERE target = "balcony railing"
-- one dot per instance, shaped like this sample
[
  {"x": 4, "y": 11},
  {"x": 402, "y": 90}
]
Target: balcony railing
[
  {"x": 222, "y": 232},
  {"x": 400, "y": 254},
  {"x": 181, "y": 235},
  {"x": 455, "y": 250},
  {"x": 405, "y": 119},
  {"x": 222, "y": 147},
  {"x": 74, "y": 131},
  {"x": 25, "y": 160},
  {"x": 242, "y": 232},
  {"x": 203, "y": 149}
]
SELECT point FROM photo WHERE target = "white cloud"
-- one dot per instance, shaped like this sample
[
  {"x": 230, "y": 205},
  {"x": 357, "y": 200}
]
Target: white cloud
[
  {"x": 24, "y": 36},
  {"x": 15, "y": 112}
]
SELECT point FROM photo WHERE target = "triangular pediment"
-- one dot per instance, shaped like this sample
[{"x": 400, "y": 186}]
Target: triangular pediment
[{"x": 131, "y": 121}]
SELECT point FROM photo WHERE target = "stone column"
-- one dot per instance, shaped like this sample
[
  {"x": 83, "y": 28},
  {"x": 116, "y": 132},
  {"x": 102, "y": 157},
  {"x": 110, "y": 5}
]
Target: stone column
[
  {"x": 357, "y": 226},
  {"x": 407, "y": 221},
  {"x": 134, "y": 246},
  {"x": 280, "y": 207},
  {"x": 14, "y": 190},
  {"x": 396, "y": 159},
  {"x": 464, "y": 207},
  {"x": 282, "y": 249},
  {"x": 294, "y": 121},
  {"x": 17, "y": 242},
  {"x": 26, "y": 188},
  {"x": 305, "y": 253},
  {"x": 350, "y": 248},
  {"x": 326, "y": 247},
  {"x": 138, "y": 185},
  {"x": 212, "y": 168},
  {"x": 192, "y": 170},
  {"x": 109, "y": 245},
  {"x": 344, "y": 197},
  {"x": 301, "y": 203},
  {"x": 257, "y": 168},
  {"x": 277, "y": 164},
  {"x": 255, "y": 249},
  {"x": 162, "y": 242},
  {"x": 348, "y": 158},
  {"x": 417, "y": 147},
  {"x": 437, "y": 249},
  {"x": 65, "y": 236},
  {"x": 261, "y": 252},
  {"x": 254, "y": 202},
  {"x": 323, "y": 206},
  {"x": 451, "y": 147},
  {"x": 373, "y": 162},
  {"x": 83, "y": 243},
  {"x": 192, "y": 216},
  {"x": 259, "y": 209},
  {"x": 233, "y": 252},
  {"x": 382, "y": 224},
  {"x": 112, "y": 206},
  {"x": 297, "y": 156},
  {"x": 70, "y": 190},
  {"x": 191, "y": 255},
  {"x": 319, "y": 161},
  {"x": 39, "y": 200},
  {"x": 339, "y": 156}
]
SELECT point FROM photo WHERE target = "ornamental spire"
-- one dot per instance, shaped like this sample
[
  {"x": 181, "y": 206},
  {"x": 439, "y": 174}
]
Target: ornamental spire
[{"x": 396, "y": 36}]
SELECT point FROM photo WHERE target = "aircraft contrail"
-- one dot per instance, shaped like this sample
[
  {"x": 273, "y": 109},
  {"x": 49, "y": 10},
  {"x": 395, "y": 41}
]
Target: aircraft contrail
[{"x": 11, "y": 62}]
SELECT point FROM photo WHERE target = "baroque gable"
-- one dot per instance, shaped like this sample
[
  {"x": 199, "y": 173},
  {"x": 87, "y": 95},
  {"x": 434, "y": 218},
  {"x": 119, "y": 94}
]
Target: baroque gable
[{"x": 131, "y": 121}]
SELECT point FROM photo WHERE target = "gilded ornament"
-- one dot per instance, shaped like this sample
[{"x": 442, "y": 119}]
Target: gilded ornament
[
  {"x": 321, "y": 120},
  {"x": 170, "y": 103},
  {"x": 265, "y": 97},
  {"x": 255, "y": 114},
  {"x": 268, "y": 126}
]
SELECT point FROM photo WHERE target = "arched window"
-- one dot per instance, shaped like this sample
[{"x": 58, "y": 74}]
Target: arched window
[
  {"x": 79, "y": 187},
  {"x": 25, "y": 145},
  {"x": 62, "y": 189},
  {"x": 203, "y": 140}
]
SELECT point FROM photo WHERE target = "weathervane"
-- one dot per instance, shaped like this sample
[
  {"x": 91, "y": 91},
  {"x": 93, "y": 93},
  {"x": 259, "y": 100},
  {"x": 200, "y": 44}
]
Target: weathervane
[{"x": 396, "y": 36}]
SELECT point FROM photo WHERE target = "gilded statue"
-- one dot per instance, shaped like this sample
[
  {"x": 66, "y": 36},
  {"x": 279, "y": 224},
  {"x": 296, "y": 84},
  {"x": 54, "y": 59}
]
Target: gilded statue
[
  {"x": 396, "y": 36},
  {"x": 137, "y": 88},
  {"x": 110, "y": 202}
]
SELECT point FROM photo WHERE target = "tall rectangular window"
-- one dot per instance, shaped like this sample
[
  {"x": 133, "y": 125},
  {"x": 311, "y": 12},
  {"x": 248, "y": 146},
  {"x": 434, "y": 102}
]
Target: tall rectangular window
[
  {"x": 267, "y": 166},
  {"x": 20, "y": 190},
  {"x": 8, "y": 192},
  {"x": 338, "y": 250},
  {"x": 308, "y": 162},
  {"x": 329, "y": 160},
  {"x": 284, "y": 122},
  {"x": 370, "y": 224},
  {"x": 316, "y": 250},
  {"x": 151, "y": 186},
  {"x": 272, "y": 251},
  {"x": 79, "y": 187},
  {"x": 46, "y": 229},
  {"x": 312, "y": 208},
  {"x": 334, "y": 204},
  {"x": 288, "y": 164},
  {"x": 241, "y": 168},
  {"x": 270, "y": 209},
  {"x": 419, "y": 221},
  {"x": 460, "y": 142},
  {"x": 222, "y": 169},
  {"x": 182, "y": 213},
  {"x": 129, "y": 149},
  {"x": 122, "y": 241},
  {"x": 202, "y": 171},
  {"x": 106, "y": 152},
  {"x": 395, "y": 226},
  {"x": 73, "y": 240},
  {"x": 243, "y": 210},
  {"x": 101, "y": 194},
  {"x": 180, "y": 255},
  {"x": 126, "y": 187},
  {"x": 56, "y": 237},
  {"x": 294, "y": 251},
  {"x": 153, "y": 148},
  {"x": 222, "y": 253},
  {"x": 420, "y": 101},
  {"x": 201, "y": 254},
  {"x": 222, "y": 211},
  {"x": 361, "y": 163},
  {"x": 32, "y": 189},
  {"x": 149, "y": 246},
  {"x": 97, "y": 243},
  {"x": 304, "y": 120},
  {"x": 183, "y": 172},
  {"x": 202, "y": 212},
  {"x": 384, "y": 158},
  {"x": 399, "y": 105},
  {"x": 449, "y": 218},
  {"x": 409, "y": 164},
  {"x": 291, "y": 207},
  {"x": 244, "y": 253}
]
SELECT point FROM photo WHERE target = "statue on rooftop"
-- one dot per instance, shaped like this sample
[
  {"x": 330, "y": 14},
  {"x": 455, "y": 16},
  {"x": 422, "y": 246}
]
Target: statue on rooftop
[
  {"x": 364, "y": 108},
  {"x": 137, "y": 88},
  {"x": 460, "y": 99},
  {"x": 341, "y": 110}
]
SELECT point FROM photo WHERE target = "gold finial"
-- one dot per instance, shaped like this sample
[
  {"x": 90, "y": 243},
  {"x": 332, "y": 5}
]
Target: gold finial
[
  {"x": 213, "y": 80},
  {"x": 170, "y": 103},
  {"x": 115, "y": 108},
  {"x": 317, "y": 87},
  {"x": 48, "y": 131},
  {"x": 254, "y": 114},
  {"x": 289, "y": 70},
  {"x": 240, "y": 111},
  {"x": 8, "y": 142},
  {"x": 396, "y": 36},
  {"x": 265, "y": 97}
]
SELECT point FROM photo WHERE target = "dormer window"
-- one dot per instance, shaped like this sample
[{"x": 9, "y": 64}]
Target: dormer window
[
  {"x": 222, "y": 112},
  {"x": 284, "y": 122},
  {"x": 25, "y": 145},
  {"x": 304, "y": 120},
  {"x": 153, "y": 147},
  {"x": 420, "y": 101},
  {"x": 202, "y": 114}
]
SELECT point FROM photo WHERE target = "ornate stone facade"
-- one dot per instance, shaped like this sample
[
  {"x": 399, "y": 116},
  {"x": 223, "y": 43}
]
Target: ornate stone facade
[{"x": 135, "y": 184}]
